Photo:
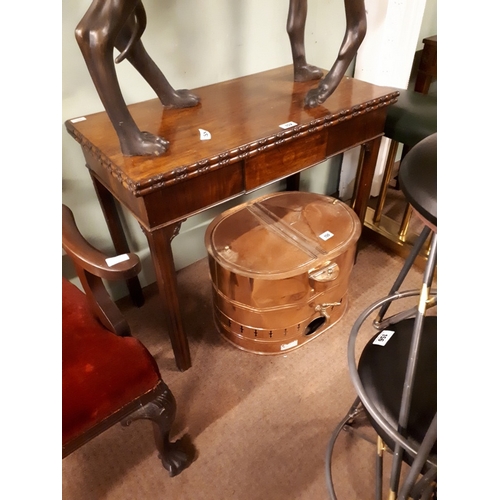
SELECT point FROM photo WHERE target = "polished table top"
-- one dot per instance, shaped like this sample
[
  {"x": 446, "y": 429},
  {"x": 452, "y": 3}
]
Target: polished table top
[
  {"x": 243, "y": 116},
  {"x": 260, "y": 133}
]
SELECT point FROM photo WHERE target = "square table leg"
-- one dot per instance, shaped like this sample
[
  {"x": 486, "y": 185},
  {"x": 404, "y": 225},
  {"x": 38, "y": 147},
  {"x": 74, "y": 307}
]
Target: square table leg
[
  {"x": 110, "y": 212},
  {"x": 163, "y": 261},
  {"x": 364, "y": 176}
]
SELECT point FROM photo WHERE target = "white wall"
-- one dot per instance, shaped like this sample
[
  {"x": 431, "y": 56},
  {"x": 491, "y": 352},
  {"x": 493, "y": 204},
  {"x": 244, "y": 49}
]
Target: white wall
[
  {"x": 195, "y": 43},
  {"x": 429, "y": 22},
  {"x": 395, "y": 33}
]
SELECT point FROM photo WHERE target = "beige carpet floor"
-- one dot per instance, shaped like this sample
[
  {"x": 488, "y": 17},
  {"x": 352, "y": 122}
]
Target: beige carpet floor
[{"x": 260, "y": 424}]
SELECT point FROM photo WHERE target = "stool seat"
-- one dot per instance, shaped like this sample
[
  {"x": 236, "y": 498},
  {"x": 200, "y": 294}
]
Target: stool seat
[
  {"x": 382, "y": 370},
  {"x": 418, "y": 178},
  {"x": 412, "y": 118}
]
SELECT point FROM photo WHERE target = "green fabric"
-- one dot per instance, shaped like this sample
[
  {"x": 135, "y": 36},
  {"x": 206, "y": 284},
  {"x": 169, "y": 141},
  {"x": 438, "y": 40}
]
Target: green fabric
[{"x": 412, "y": 118}]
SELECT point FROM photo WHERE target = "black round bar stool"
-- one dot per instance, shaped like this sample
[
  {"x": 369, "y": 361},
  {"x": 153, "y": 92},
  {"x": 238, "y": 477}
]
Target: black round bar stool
[
  {"x": 395, "y": 377},
  {"x": 418, "y": 179}
]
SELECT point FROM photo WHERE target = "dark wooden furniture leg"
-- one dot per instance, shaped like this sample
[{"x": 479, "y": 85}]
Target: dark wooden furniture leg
[
  {"x": 163, "y": 260},
  {"x": 427, "y": 70},
  {"x": 161, "y": 411},
  {"x": 293, "y": 182},
  {"x": 110, "y": 212},
  {"x": 365, "y": 174}
]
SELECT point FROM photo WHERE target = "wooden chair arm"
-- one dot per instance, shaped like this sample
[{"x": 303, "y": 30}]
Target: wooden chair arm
[
  {"x": 92, "y": 268},
  {"x": 91, "y": 259}
]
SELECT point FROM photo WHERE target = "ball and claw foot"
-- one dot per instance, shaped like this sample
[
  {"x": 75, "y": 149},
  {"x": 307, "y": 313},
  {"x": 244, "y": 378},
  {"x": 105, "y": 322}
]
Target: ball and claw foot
[
  {"x": 176, "y": 456},
  {"x": 306, "y": 73},
  {"x": 175, "y": 459}
]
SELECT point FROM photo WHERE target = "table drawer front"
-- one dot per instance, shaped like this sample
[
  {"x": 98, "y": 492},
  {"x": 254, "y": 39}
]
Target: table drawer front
[
  {"x": 186, "y": 198},
  {"x": 285, "y": 159},
  {"x": 355, "y": 131}
]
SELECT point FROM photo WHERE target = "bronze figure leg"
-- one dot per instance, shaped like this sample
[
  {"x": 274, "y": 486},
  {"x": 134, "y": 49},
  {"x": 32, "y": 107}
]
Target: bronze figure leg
[
  {"x": 161, "y": 411},
  {"x": 354, "y": 35},
  {"x": 296, "y": 23},
  {"x": 142, "y": 62},
  {"x": 96, "y": 35},
  {"x": 119, "y": 23}
]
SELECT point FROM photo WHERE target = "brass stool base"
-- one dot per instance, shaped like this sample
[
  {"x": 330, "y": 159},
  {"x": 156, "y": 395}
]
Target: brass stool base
[{"x": 385, "y": 233}]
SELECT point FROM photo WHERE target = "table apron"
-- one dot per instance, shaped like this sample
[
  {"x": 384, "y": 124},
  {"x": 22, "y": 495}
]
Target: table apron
[{"x": 187, "y": 197}]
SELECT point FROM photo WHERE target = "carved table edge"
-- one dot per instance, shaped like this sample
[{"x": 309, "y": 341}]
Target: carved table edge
[{"x": 227, "y": 157}]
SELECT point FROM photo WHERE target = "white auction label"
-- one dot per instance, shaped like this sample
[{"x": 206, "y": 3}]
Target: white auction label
[
  {"x": 112, "y": 261},
  {"x": 326, "y": 235},
  {"x": 284, "y": 347},
  {"x": 205, "y": 135},
  {"x": 287, "y": 125},
  {"x": 383, "y": 337}
]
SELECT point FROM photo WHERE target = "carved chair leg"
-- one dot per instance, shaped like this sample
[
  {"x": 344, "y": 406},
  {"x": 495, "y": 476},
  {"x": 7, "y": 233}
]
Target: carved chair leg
[{"x": 161, "y": 411}]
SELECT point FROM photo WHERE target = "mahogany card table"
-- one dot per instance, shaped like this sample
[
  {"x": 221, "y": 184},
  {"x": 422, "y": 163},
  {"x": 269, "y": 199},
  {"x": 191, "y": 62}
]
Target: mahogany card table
[{"x": 259, "y": 132}]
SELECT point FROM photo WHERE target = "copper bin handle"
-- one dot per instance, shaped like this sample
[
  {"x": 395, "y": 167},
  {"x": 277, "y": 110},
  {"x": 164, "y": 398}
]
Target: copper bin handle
[{"x": 330, "y": 272}]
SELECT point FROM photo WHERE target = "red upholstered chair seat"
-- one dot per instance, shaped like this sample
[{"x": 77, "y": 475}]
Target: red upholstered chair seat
[
  {"x": 102, "y": 372},
  {"x": 107, "y": 375}
]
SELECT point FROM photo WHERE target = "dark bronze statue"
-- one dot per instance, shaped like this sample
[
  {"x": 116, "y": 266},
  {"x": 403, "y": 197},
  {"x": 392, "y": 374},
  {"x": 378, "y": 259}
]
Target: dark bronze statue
[
  {"x": 120, "y": 23},
  {"x": 354, "y": 35}
]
